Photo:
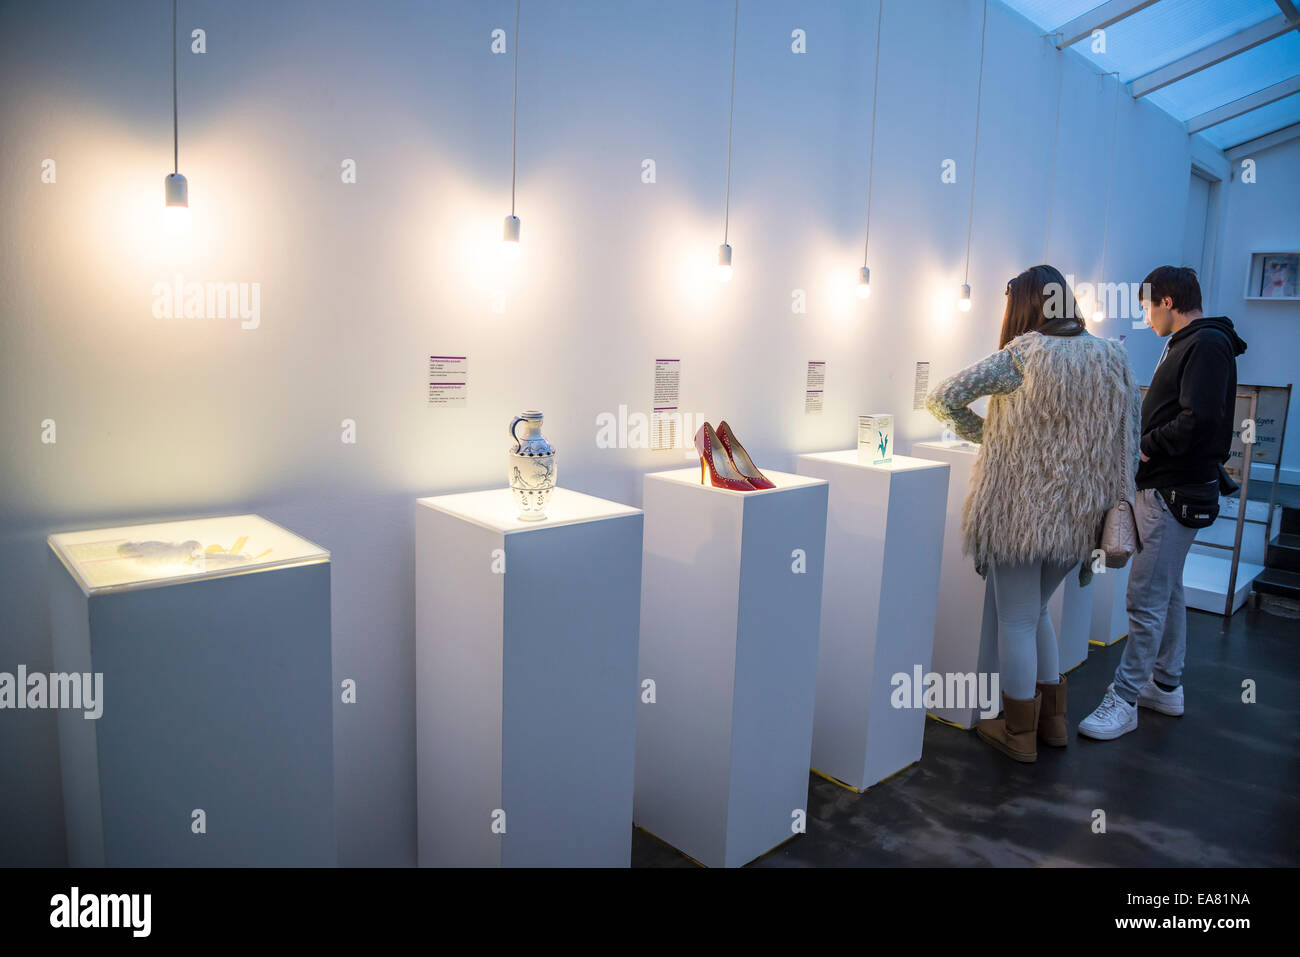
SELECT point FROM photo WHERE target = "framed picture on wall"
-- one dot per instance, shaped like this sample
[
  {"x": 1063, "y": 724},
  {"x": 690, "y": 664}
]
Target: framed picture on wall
[
  {"x": 1278, "y": 277},
  {"x": 1274, "y": 276}
]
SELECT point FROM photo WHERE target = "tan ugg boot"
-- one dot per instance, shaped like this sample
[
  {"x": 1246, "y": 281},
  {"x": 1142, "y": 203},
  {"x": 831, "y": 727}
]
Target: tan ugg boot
[
  {"x": 1052, "y": 726},
  {"x": 1015, "y": 734}
]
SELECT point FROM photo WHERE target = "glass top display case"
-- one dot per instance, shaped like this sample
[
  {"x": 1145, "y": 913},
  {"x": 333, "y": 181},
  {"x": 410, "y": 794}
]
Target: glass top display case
[{"x": 164, "y": 553}]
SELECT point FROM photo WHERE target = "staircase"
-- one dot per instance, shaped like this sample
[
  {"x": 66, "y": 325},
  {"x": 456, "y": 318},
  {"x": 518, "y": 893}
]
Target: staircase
[{"x": 1277, "y": 588}]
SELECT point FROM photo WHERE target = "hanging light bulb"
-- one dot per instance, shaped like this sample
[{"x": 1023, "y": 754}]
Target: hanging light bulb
[
  {"x": 510, "y": 240},
  {"x": 1099, "y": 313},
  {"x": 176, "y": 191},
  {"x": 510, "y": 230},
  {"x": 963, "y": 301},
  {"x": 724, "y": 251},
  {"x": 176, "y": 212},
  {"x": 724, "y": 263},
  {"x": 864, "y": 283},
  {"x": 864, "y": 274}
]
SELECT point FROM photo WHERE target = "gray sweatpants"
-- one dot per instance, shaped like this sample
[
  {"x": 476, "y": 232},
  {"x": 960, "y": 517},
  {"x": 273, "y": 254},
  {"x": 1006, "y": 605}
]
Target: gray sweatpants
[
  {"x": 1026, "y": 640},
  {"x": 1157, "y": 616}
]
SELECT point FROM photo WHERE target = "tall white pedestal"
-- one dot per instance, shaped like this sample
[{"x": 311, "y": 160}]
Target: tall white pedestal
[
  {"x": 525, "y": 654},
  {"x": 1071, "y": 613},
  {"x": 884, "y": 543},
  {"x": 731, "y": 597},
  {"x": 1109, "y": 606},
  {"x": 215, "y": 743},
  {"x": 966, "y": 625}
]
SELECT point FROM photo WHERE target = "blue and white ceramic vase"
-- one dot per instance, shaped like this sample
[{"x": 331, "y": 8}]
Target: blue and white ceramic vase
[{"x": 531, "y": 466}]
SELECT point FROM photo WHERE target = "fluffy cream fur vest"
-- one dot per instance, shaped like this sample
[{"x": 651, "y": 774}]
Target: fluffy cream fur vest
[{"x": 1056, "y": 454}]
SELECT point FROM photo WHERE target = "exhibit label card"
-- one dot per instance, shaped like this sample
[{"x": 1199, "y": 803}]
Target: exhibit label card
[
  {"x": 922, "y": 387},
  {"x": 665, "y": 418},
  {"x": 448, "y": 381},
  {"x": 815, "y": 388}
]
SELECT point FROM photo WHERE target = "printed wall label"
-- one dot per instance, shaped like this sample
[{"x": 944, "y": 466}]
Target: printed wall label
[{"x": 448, "y": 381}]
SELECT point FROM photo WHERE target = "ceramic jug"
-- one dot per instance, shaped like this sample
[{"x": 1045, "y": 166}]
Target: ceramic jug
[{"x": 531, "y": 466}]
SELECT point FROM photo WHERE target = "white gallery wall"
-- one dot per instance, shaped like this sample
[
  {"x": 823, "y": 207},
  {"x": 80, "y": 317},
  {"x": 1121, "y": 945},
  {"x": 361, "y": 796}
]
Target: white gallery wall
[
  {"x": 361, "y": 282},
  {"x": 1263, "y": 216}
]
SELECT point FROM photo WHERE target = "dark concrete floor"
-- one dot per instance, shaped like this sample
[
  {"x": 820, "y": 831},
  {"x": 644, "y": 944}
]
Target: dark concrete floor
[{"x": 1216, "y": 787}]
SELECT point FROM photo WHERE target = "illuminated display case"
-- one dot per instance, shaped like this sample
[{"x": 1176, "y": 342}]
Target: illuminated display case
[{"x": 214, "y": 746}]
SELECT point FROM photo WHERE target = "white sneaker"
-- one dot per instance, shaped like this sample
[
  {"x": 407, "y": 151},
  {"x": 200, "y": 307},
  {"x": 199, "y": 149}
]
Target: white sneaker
[
  {"x": 1166, "y": 702},
  {"x": 1113, "y": 717}
]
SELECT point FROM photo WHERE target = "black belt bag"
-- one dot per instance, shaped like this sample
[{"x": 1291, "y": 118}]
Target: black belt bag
[{"x": 1195, "y": 506}]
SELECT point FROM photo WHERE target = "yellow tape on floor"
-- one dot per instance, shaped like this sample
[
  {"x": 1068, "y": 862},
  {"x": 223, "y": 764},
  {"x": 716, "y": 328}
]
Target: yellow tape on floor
[{"x": 1107, "y": 644}]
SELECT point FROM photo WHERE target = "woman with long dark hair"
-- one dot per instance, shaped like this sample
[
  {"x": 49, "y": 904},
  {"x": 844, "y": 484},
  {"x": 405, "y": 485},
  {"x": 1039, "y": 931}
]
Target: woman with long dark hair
[{"x": 1058, "y": 448}]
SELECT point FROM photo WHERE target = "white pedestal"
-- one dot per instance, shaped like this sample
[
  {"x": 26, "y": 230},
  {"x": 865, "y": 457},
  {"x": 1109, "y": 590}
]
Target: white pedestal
[
  {"x": 1109, "y": 606},
  {"x": 884, "y": 543},
  {"x": 731, "y": 596},
  {"x": 1071, "y": 612},
  {"x": 525, "y": 653},
  {"x": 217, "y": 695},
  {"x": 1205, "y": 581},
  {"x": 966, "y": 625}
]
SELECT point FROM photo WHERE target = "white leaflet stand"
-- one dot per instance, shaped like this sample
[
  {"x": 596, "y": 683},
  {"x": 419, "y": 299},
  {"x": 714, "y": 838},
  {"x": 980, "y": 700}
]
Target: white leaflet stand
[
  {"x": 884, "y": 544},
  {"x": 731, "y": 596},
  {"x": 1070, "y": 609},
  {"x": 525, "y": 669},
  {"x": 213, "y": 638},
  {"x": 966, "y": 624},
  {"x": 1109, "y": 606}
]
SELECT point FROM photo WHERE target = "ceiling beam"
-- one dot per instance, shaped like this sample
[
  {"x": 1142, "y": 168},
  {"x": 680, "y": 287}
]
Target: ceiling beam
[
  {"x": 1097, "y": 18},
  {"x": 1244, "y": 105},
  {"x": 1287, "y": 7},
  {"x": 1215, "y": 53},
  {"x": 1257, "y": 143}
]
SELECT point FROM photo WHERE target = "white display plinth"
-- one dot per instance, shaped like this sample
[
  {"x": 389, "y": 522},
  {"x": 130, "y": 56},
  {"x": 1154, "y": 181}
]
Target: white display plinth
[
  {"x": 1109, "y": 606},
  {"x": 1070, "y": 609},
  {"x": 213, "y": 640},
  {"x": 1205, "y": 581},
  {"x": 884, "y": 543},
  {"x": 731, "y": 596},
  {"x": 966, "y": 623},
  {"x": 525, "y": 653}
]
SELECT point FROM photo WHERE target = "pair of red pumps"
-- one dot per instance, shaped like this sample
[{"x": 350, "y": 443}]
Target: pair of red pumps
[{"x": 726, "y": 462}]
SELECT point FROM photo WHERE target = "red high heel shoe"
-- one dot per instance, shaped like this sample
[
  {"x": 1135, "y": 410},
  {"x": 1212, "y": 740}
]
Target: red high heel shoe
[
  {"x": 714, "y": 457},
  {"x": 740, "y": 458}
]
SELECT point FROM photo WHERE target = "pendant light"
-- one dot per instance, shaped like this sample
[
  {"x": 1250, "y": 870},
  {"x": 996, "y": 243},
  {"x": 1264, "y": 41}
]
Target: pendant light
[
  {"x": 1056, "y": 139},
  {"x": 724, "y": 251},
  {"x": 176, "y": 191},
  {"x": 963, "y": 301},
  {"x": 864, "y": 274},
  {"x": 510, "y": 229},
  {"x": 1098, "y": 313}
]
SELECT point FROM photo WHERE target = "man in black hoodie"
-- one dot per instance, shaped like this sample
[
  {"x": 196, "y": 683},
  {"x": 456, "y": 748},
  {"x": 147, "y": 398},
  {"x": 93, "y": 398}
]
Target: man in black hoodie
[{"x": 1186, "y": 436}]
